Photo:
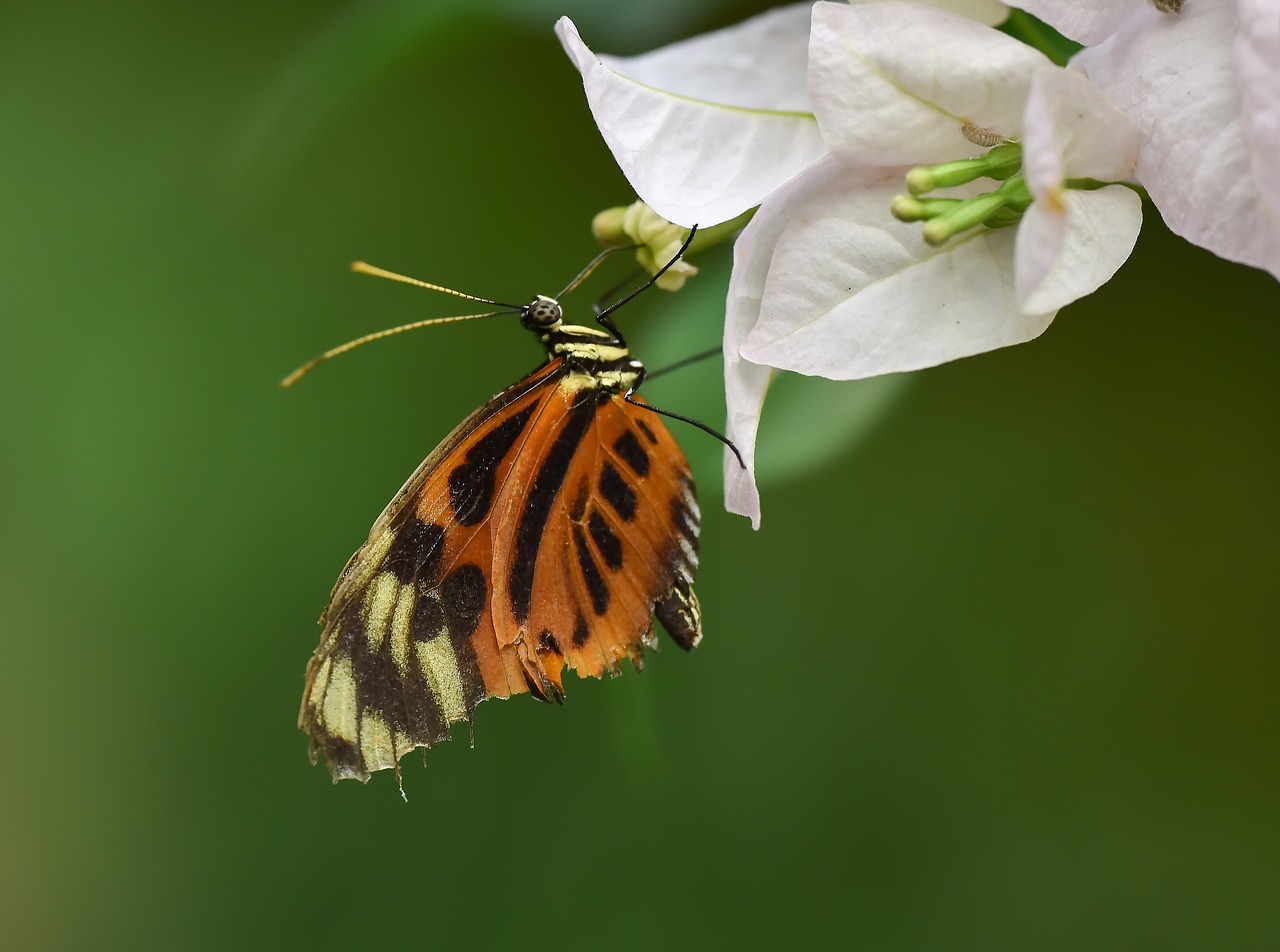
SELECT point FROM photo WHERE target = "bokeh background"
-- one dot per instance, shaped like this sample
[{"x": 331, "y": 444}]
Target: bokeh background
[{"x": 999, "y": 674}]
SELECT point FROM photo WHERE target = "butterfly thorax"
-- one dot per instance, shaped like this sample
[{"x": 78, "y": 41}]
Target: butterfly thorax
[{"x": 593, "y": 357}]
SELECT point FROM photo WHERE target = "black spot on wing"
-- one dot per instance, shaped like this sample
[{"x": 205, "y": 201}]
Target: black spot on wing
[
  {"x": 547, "y": 642},
  {"x": 617, "y": 493},
  {"x": 463, "y": 595},
  {"x": 646, "y": 431},
  {"x": 471, "y": 483},
  {"x": 580, "y": 496},
  {"x": 428, "y": 619},
  {"x": 580, "y": 632},
  {"x": 541, "y": 496},
  {"x": 415, "y": 553},
  {"x": 596, "y": 587},
  {"x": 632, "y": 453},
  {"x": 609, "y": 545}
]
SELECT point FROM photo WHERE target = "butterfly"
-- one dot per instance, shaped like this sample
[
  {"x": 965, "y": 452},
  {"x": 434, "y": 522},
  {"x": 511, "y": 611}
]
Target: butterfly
[{"x": 545, "y": 532}]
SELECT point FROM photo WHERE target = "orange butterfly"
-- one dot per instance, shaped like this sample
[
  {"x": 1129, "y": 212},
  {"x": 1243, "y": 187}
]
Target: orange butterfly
[{"x": 546, "y": 531}]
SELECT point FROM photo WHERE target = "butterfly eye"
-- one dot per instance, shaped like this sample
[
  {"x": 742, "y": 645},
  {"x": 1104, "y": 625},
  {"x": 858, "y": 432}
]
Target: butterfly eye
[{"x": 543, "y": 312}]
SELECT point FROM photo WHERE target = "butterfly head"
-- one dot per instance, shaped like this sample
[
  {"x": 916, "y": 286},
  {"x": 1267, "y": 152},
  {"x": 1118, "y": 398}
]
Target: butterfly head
[{"x": 542, "y": 314}]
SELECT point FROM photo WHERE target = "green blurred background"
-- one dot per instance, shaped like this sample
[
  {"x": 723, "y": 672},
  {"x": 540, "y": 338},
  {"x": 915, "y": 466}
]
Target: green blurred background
[{"x": 1001, "y": 676}]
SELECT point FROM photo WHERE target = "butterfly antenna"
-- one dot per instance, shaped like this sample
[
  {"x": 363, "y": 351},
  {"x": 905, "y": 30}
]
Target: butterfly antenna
[
  {"x": 311, "y": 365},
  {"x": 592, "y": 265},
  {"x": 364, "y": 268}
]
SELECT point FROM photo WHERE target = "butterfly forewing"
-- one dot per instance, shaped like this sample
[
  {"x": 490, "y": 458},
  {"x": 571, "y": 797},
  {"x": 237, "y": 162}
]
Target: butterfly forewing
[{"x": 544, "y": 532}]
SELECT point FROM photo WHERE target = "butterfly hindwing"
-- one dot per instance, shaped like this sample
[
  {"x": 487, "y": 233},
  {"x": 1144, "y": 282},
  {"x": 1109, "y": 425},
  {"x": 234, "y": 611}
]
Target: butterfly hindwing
[{"x": 603, "y": 507}]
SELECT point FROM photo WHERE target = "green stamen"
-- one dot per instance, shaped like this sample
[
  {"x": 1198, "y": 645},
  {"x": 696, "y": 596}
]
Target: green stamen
[
  {"x": 1011, "y": 198},
  {"x": 910, "y": 208},
  {"x": 998, "y": 163}
]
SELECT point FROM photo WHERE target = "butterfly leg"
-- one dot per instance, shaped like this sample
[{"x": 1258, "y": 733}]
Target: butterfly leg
[
  {"x": 602, "y": 317},
  {"x": 677, "y": 416}
]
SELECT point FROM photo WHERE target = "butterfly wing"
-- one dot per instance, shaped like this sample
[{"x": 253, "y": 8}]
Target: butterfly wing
[
  {"x": 546, "y": 529},
  {"x": 408, "y": 647},
  {"x": 604, "y": 532}
]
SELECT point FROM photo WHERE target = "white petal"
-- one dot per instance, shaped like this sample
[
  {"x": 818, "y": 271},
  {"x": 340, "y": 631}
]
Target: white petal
[
  {"x": 1257, "y": 50},
  {"x": 1085, "y": 21},
  {"x": 745, "y": 383},
  {"x": 893, "y": 84},
  {"x": 1175, "y": 77},
  {"x": 1071, "y": 246},
  {"x": 757, "y": 64},
  {"x": 705, "y": 129},
  {"x": 852, "y": 292},
  {"x": 1070, "y": 242},
  {"x": 1071, "y": 131}
]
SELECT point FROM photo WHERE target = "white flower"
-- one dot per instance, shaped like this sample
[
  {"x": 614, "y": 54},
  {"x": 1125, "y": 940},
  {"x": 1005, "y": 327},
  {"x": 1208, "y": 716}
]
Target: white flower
[
  {"x": 825, "y": 280},
  {"x": 706, "y": 128},
  {"x": 1202, "y": 86}
]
